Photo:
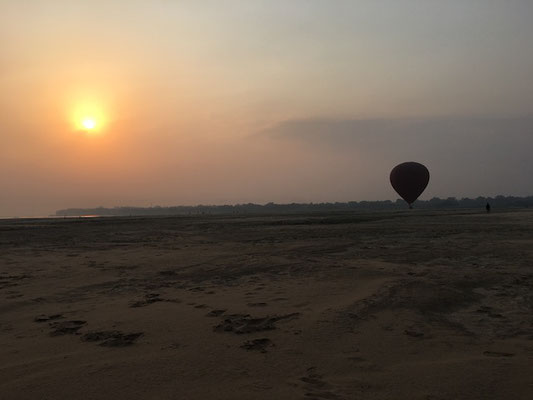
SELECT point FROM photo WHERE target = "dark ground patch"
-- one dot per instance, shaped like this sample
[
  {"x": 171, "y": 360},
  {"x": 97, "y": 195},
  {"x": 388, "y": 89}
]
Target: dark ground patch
[
  {"x": 151, "y": 298},
  {"x": 244, "y": 323},
  {"x": 260, "y": 344},
  {"x": 46, "y": 318},
  {"x": 215, "y": 313},
  {"x": 112, "y": 338},
  {"x": 66, "y": 327}
]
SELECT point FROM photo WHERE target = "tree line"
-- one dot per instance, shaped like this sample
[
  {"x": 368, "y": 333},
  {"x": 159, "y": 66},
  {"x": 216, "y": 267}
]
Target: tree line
[{"x": 498, "y": 202}]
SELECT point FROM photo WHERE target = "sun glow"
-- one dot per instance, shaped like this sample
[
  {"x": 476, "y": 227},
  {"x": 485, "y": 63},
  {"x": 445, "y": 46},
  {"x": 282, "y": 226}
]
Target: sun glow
[{"x": 89, "y": 117}]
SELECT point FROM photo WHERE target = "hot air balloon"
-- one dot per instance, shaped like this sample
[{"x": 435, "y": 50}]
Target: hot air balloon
[{"x": 409, "y": 179}]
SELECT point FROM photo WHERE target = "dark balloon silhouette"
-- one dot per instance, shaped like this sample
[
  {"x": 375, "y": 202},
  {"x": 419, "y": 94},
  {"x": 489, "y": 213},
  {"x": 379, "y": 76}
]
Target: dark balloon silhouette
[{"x": 409, "y": 179}]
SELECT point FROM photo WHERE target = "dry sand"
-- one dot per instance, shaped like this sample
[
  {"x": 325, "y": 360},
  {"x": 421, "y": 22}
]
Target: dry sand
[{"x": 394, "y": 305}]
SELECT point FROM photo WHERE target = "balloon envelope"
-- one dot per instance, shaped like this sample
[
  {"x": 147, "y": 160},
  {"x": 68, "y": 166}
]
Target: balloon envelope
[{"x": 409, "y": 179}]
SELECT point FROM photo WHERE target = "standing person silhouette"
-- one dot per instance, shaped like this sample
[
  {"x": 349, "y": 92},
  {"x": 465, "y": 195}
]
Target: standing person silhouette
[{"x": 487, "y": 207}]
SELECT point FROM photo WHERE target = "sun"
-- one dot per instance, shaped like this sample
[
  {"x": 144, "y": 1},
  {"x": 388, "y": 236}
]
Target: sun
[
  {"x": 88, "y": 123},
  {"x": 90, "y": 117}
]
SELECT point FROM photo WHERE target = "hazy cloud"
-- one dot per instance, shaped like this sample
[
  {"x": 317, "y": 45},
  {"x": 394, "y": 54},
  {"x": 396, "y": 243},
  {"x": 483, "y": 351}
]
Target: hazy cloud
[{"x": 466, "y": 154}]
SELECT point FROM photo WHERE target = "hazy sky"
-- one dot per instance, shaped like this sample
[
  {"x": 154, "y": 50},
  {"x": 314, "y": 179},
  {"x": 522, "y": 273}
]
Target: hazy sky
[{"x": 230, "y": 101}]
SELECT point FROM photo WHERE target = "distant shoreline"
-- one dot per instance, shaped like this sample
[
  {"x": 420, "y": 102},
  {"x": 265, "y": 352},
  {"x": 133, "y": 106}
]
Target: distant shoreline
[{"x": 51, "y": 216}]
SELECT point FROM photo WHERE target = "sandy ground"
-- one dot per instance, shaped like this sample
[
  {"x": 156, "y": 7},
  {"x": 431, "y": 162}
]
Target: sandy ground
[{"x": 394, "y": 305}]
